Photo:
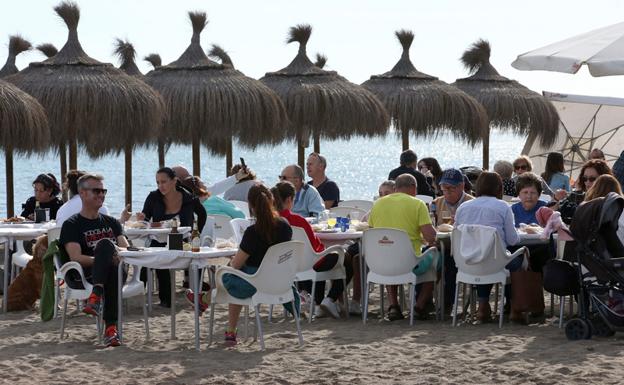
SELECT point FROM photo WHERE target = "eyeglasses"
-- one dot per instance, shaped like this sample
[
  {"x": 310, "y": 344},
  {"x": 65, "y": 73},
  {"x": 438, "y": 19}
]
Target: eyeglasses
[
  {"x": 522, "y": 167},
  {"x": 284, "y": 177},
  {"x": 97, "y": 191},
  {"x": 590, "y": 178}
]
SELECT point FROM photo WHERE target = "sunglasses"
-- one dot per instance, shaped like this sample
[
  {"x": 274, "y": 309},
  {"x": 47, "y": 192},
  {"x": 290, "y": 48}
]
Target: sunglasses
[
  {"x": 590, "y": 178},
  {"x": 522, "y": 167},
  {"x": 97, "y": 191}
]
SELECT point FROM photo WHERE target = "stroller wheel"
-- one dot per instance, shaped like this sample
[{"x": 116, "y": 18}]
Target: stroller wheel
[
  {"x": 577, "y": 329},
  {"x": 600, "y": 328}
]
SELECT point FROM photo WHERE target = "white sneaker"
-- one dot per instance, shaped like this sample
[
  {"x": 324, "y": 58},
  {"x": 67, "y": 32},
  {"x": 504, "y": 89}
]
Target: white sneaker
[
  {"x": 330, "y": 307},
  {"x": 319, "y": 312},
  {"x": 355, "y": 308}
]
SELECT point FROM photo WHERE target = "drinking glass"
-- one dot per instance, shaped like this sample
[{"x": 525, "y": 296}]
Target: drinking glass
[{"x": 446, "y": 217}]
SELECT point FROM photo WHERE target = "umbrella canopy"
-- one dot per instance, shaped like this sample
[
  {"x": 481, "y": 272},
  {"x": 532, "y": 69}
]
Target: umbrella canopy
[
  {"x": 509, "y": 105},
  {"x": 163, "y": 144},
  {"x": 23, "y": 128},
  {"x": 322, "y": 103},
  {"x": 602, "y": 50},
  {"x": 17, "y": 45},
  {"x": 208, "y": 102},
  {"x": 70, "y": 84},
  {"x": 423, "y": 104}
]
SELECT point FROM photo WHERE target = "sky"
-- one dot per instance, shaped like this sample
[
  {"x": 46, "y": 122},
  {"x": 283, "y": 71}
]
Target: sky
[{"x": 357, "y": 36}]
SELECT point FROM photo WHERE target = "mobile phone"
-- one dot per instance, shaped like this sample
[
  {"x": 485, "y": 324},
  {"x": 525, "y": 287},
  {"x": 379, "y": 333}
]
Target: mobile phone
[{"x": 243, "y": 163}]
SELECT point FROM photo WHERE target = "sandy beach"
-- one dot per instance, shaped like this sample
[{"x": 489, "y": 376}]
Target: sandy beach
[{"x": 335, "y": 351}]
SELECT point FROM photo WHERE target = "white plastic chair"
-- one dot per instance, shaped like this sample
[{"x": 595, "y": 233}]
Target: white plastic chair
[
  {"x": 207, "y": 236},
  {"x": 358, "y": 204},
  {"x": 490, "y": 258},
  {"x": 20, "y": 259},
  {"x": 243, "y": 206},
  {"x": 425, "y": 198},
  {"x": 239, "y": 225},
  {"x": 273, "y": 282},
  {"x": 390, "y": 256},
  {"x": 545, "y": 198},
  {"x": 222, "y": 227},
  {"x": 344, "y": 211},
  {"x": 305, "y": 271}
]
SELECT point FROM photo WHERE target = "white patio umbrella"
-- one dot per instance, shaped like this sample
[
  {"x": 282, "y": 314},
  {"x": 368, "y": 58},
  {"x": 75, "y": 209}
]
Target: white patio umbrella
[{"x": 601, "y": 49}]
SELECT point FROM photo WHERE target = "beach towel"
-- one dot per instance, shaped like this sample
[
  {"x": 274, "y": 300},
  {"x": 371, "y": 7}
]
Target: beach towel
[{"x": 47, "y": 284}]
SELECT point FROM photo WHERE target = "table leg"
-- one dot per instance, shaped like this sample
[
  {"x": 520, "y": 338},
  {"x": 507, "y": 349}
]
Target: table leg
[
  {"x": 173, "y": 301},
  {"x": 442, "y": 284},
  {"x": 5, "y": 288},
  {"x": 120, "y": 300},
  {"x": 195, "y": 281},
  {"x": 363, "y": 284},
  {"x": 150, "y": 285}
]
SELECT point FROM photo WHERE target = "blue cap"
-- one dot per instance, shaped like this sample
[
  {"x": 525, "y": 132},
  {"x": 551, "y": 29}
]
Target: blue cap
[{"x": 452, "y": 176}]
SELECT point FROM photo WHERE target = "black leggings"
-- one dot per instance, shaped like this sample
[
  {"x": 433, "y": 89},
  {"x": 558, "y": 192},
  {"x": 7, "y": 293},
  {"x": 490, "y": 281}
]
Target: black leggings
[
  {"x": 164, "y": 279},
  {"x": 337, "y": 287}
]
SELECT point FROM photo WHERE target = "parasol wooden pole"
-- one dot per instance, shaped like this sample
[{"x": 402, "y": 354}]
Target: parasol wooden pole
[
  {"x": 63, "y": 156},
  {"x": 161, "y": 154},
  {"x": 486, "y": 150},
  {"x": 73, "y": 154},
  {"x": 8, "y": 164},
  {"x": 128, "y": 161},
  {"x": 301, "y": 153},
  {"x": 317, "y": 143},
  {"x": 405, "y": 138},
  {"x": 196, "y": 157},
  {"x": 228, "y": 156}
]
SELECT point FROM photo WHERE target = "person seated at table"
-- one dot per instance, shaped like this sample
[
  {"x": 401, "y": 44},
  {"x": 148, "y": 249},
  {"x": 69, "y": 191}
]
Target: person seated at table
[
  {"x": 330, "y": 193},
  {"x": 284, "y": 197},
  {"x": 167, "y": 202},
  {"x": 217, "y": 188},
  {"x": 487, "y": 209},
  {"x": 408, "y": 161},
  {"x": 523, "y": 164},
  {"x": 453, "y": 195},
  {"x": 46, "y": 190},
  {"x": 268, "y": 230},
  {"x": 308, "y": 201},
  {"x": 431, "y": 169},
  {"x": 597, "y": 154},
  {"x": 91, "y": 239},
  {"x": 505, "y": 170},
  {"x": 603, "y": 185},
  {"x": 590, "y": 171},
  {"x": 212, "y": 203},
  {"x": 74, "y": 204},
  {"x": 553, "y": 173},
  {"x": 239, "y": 191},
  {"x": 401, "y": 210}
]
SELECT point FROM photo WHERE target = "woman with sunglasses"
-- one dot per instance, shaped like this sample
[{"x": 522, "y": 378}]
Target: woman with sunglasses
[
  {"x": 170, "y": 200},
  {"x": 46, "y": 190},
  {"x": 523, "y": 164}
]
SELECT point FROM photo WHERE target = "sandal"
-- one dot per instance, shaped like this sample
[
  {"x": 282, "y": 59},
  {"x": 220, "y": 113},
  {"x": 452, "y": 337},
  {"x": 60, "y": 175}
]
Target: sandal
[{"x": 395, "y": 313}]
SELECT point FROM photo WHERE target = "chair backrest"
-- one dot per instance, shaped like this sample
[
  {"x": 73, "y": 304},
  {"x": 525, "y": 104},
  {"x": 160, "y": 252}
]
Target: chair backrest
[
  {"x": 308, "y": 257},
  {"x": 222, "y": 227},
  {"x": 425, "y": 198},
  {"x": 344, "y": 211},
  {"x": 277, "y": 271},
  {"x": 358, "y": 204},
  {"x": 239, "y": 225},
  {"x": 54, "y": 234},
  {"x": 207, "y": 235},
  {"x": 388, "y": 252},
  {"x": 243, "y": 206},
  {"x": 478, "y": 250}
]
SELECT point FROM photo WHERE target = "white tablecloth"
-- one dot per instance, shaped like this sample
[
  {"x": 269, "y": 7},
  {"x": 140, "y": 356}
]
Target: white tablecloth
[{"x": 158, "y": 234}]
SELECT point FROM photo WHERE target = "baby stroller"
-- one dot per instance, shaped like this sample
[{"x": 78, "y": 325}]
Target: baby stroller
[{"x": 600, "y": 251}]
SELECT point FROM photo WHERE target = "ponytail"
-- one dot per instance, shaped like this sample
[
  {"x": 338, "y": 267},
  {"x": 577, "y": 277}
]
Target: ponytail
[
  {"x": 261, "y": 205},
  {"x": 281, "y": 192}
]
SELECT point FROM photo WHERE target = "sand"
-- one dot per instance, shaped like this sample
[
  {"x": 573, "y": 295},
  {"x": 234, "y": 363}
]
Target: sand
[{"x": 335, "y": 351}]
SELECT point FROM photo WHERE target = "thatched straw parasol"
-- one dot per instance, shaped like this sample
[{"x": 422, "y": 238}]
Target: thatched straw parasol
[
  {"x": 127, "y": 54},
  {"x": 47, "y": 49},
  {"x": 322, "y": 103},
  {"x": 88, "y": 102},
  {"x": 509, "y": 105},
  {"x": 155, "y": 60},
  {"x": 208, "y": 102},
  {"x": 17, "y": 45},
  {"x": 423, "y": 104},
  {"x": 23, "y": 128}
]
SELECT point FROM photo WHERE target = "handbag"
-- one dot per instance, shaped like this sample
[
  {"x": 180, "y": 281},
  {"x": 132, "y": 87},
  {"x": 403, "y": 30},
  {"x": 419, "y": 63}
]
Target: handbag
[{"x": 527, "y": 291}]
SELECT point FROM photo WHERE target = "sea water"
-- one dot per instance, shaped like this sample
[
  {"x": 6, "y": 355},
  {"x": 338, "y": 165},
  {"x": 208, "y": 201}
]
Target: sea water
[{"x": 358, "y": 165}]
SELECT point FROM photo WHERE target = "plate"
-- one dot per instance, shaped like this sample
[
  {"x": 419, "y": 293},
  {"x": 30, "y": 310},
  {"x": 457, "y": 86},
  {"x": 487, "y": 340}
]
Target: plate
[{"x": 327, "y": 231}]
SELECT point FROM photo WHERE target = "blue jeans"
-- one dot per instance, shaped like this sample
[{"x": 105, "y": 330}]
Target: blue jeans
[{"x": 483, "y": 291}]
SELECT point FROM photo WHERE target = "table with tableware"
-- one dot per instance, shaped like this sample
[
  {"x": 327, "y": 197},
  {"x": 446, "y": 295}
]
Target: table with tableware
[
  {"x": 11, "y": 232},
  {"x": 163, "y": 258}
]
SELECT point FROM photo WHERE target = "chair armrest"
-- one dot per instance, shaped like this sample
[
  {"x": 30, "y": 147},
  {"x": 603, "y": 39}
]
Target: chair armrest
[
  {"x": 73, "y": 265},
  {"x": 230, "y": 270},
  {"x": 521, "y": 251},
  {"x": 332, "y": 249},
  {"x": 430, "y": 250}
]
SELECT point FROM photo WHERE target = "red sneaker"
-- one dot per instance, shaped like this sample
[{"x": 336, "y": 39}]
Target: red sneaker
[
  {"x": 111, "y": 338},
  {"x": 94, "y": 305}
]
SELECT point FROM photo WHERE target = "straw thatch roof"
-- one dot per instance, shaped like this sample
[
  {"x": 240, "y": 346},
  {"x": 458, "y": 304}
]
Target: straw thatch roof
[
  {"x": 321, "y": 60},
  {"x": 424, "y": 104},
  {"x": 217, "y": 52},
  {"x": 153, "y": 59},
  {"x": 83, "y": 95},
  {"x": 23, "y": 122},
  {"x": 210, "y": 102},
  {"x": 17, "y": 45},
  {"x": 47, "y": 49},
  {"x": 509, "y": 105},
  {"x": 323, "y": 103}
]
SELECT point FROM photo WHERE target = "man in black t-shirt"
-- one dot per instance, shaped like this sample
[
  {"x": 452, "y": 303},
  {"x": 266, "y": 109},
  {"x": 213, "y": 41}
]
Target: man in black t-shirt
[
  {"x": 91, "y": 239},
  {"x": 330, "y": 193},
  {"x": 409, "y": 159}
]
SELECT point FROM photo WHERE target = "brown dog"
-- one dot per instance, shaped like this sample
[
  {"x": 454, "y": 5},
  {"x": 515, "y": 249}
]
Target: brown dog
[{"x": 24, "y": 291}]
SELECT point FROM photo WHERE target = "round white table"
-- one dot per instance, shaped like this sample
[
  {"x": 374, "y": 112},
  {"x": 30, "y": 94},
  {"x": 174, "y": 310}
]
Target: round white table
[{"x": 159, "y": 233}]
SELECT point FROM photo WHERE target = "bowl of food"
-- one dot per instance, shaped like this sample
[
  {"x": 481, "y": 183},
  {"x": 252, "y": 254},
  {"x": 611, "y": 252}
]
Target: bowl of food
[{"x": 156, "y": 225}]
